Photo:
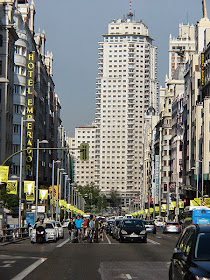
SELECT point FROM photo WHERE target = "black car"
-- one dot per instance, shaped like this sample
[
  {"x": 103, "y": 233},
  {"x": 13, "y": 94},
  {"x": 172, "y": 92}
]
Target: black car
[
  {"x": 114, "y": 228},
  {"x": 132, "y": 230},
  {"x": 108, "y": 226},
  {"x": 191, "y": 257}
]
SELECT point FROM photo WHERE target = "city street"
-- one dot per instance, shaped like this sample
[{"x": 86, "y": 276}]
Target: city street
[{"x": 105, "y": 260}]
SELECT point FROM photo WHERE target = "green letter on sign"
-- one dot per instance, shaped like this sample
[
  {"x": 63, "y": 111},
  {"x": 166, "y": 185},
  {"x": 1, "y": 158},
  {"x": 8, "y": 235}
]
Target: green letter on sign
[{"x": 84, "y": 151}]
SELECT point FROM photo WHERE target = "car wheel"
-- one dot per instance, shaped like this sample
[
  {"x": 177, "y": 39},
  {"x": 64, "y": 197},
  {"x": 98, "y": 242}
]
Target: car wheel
[
  {"x": 121, "y": 240},
  {"x": 145, "y": 240},
  {"x": 170, "y": 273}
]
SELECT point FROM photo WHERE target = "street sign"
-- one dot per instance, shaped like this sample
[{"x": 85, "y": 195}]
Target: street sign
[
  {"x": 176, "y": 211},
  {"x": 203, "y": 203}
]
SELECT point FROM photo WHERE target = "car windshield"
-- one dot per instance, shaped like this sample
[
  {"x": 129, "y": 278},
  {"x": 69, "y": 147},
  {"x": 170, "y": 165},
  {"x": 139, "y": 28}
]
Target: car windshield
[
  {"x": 202, "y": 248},
  {"x": 49, "y": 226},
  {"x": 58, "y": 224},
  {"x": 133, "y": 223}
]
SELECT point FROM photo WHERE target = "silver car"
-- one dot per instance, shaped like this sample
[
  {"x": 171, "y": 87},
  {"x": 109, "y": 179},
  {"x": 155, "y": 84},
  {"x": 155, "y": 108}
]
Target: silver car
[
  {"x": 171, "y": 227},
  {"x": 150, "y": 226}
]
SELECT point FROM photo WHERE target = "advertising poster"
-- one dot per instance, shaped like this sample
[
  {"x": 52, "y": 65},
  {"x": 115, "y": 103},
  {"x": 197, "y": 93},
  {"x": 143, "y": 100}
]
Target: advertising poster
[{"x": 11, "y": 187}]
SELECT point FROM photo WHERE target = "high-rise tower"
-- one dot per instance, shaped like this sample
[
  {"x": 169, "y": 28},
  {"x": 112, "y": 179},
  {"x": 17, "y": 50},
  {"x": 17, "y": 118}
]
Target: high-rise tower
[{"x": 126, "y": 88}]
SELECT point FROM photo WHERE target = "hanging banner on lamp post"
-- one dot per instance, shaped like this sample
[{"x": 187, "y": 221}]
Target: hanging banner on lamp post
[
  {"x": 4, "y": 173},
  {"x": 43, "y": 194},
  {"x": 29, "y": 187},
  {"x": 11, "y": 187}
]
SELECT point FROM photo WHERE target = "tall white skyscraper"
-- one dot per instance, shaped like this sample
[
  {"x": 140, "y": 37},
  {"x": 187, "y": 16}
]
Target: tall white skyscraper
[{"x": 126, "y": 88}]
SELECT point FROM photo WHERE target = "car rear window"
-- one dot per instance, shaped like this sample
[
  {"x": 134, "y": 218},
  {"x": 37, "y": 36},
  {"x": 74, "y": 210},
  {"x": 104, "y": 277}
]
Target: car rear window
[
  {"x": 133, "y": 223},
  {"x": 202, "y": 248},
  {"x": 49, "y": 226},
  {"x": 149, "y": 222},
  {"x": 172, "y": 224}
]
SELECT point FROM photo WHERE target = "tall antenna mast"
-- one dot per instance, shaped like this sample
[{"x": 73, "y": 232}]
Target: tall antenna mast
[
  {"x": 130, "y": 15},
  {"x": 204, "y": 9}
]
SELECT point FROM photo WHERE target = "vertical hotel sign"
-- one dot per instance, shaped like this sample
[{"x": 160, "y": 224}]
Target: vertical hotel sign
[
  {"x": 202, "y": 69},
  {"x": 30, "y": 112}
]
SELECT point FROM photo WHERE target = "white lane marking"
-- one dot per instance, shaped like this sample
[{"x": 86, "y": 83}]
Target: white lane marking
[
  {"x": 128, "y": 276},
  {"x": 153, "y": 242},
  {"x": 63, "y": 243},
  {"x": 29, "y": 269},
  {"x": 108, "y": 238},
  {"x": 7, "y": 264},
  {"x": 159, "y": 237}
]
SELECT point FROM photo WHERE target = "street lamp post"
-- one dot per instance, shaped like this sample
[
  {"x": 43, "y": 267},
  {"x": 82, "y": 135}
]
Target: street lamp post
[
  {"x": 37, "y": 173},
  {"x": 53, "y": 178},
  {"x": 58, "y": 191}
]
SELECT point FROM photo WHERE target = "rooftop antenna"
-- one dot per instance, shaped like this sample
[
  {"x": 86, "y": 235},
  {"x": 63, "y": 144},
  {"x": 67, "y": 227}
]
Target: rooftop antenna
[
  {"x": 204, "y": 9},
  {"x": 130, "y": 15}
]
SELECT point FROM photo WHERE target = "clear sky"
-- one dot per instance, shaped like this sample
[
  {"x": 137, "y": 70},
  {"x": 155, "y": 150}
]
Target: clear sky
[{"x": 74, "y": 28}]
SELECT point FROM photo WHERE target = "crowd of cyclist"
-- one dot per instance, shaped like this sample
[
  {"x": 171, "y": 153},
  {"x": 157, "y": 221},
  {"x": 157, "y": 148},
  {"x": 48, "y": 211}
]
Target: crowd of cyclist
[{"x": 81, "y": 229}]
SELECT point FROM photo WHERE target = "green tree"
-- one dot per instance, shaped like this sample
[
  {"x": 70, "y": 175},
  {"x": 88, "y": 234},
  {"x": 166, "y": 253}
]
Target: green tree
[
  {"x": 10, "y": 201},
  {"x": 115, "y": 199},
  {"x": 93, "y": 198}
]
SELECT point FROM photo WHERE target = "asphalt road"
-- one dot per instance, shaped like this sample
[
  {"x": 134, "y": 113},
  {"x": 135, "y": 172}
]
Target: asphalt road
[{"x": 106, "y": 260}]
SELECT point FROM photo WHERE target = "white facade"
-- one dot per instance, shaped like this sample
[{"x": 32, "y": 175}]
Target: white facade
[
  {"x": 126, "y": 88},
  {"x": 84, "y": 171},
  {"x": 185, "y": 42}
]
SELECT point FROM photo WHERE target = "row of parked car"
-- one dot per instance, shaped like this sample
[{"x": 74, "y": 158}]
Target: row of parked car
[{"x": 46, "y": 231}]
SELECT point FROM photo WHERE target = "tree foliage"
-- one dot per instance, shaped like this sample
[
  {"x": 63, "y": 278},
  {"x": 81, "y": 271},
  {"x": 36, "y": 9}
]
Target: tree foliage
[
  {"x": 95, "y": 202},
  {"x": 115, "y": 198},
  {"x": 10, "y": 201}
]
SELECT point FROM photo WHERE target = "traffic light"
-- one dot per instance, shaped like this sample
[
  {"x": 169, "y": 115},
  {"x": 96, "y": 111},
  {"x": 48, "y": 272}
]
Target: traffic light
[
  {"x": 165, "y": 187},
  {"x": 84, "y": 151}
]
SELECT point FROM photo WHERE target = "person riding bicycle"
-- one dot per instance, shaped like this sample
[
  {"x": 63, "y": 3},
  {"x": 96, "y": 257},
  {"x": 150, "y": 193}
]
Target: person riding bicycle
[
  {"x": 78, "y": 224},
  {"x": 71, "y": 228}
]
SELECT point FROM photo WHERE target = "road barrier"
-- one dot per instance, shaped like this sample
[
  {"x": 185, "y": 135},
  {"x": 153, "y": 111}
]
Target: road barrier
[{"x": 13, "y": 234}]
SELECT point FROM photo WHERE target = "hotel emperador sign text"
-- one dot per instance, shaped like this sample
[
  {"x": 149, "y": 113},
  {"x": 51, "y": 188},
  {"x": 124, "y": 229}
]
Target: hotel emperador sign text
[{"x": 30, "y": 111}]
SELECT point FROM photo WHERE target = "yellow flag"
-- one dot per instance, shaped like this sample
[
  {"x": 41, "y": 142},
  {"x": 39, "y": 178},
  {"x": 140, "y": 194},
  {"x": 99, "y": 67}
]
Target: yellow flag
[
  {"x": 12, "y": 187},
  {"x": 4, "y": 173},
  {"x": 29, "y": 187},
  {"x": 43, "y": 194},
  {"x": 30, "y": 197}
]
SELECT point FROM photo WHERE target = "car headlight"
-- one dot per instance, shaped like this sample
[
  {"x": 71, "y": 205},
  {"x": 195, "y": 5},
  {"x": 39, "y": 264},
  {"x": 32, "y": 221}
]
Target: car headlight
[
  {"x": 124, "y": 232},
  {"x": 202, "y": 278},
  {"x": 42, "y": 232},
  {"x": 143, "y": 232}
]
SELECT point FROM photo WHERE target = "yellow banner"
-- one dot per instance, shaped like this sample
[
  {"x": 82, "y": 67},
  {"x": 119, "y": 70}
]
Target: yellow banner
[
  {"x": 181, "y": 204},
  {"x": 29, "y": 187},
  {"x": 61, "y": 202},
  {"x": 30, "y": 197},
  {"x": 55, "y": 191},
  {"x": 207, "y": 200},
  {"x": 12, "y": 187},
  {"x": 43, "y": 194},
  {"x": 151, "y": 210},
  {"x": 156, "y": 208},
  {"x": 163, "y": 206},
  {"x": 4, "y": 173},
  {"x": 198, "y": 201}
]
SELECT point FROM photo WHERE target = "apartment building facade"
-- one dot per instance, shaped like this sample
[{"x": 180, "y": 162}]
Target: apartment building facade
[{"x": 126, "y": 88}]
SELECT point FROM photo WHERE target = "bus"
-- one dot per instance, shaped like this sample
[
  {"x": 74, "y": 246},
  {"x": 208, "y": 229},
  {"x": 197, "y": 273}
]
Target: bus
[{"x": 196, "y": 215}]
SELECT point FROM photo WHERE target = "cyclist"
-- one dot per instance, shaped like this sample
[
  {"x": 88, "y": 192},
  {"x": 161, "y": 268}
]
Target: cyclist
[
  {"x": 78, "y": 224},
  {"x": 71, "y": 227},
  {"x": 85, "y": 226},
  {"x": 96, "y": 227}
]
